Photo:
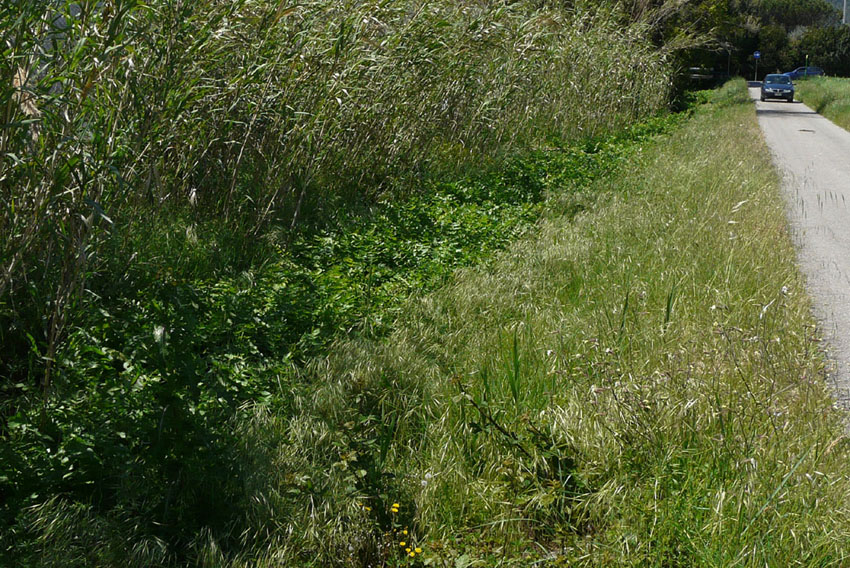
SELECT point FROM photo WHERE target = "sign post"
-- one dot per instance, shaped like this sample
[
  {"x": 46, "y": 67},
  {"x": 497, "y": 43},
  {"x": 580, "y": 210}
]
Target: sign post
[{"x": 757, "y": 56}]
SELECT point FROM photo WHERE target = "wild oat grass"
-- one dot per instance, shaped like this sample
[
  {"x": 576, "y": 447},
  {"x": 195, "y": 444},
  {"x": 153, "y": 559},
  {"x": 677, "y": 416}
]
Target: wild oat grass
[{"x": 640, "y": 386}]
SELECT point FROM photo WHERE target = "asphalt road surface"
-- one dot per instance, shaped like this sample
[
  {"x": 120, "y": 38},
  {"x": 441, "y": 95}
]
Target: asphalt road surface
[{"x": 813, "y": 155}]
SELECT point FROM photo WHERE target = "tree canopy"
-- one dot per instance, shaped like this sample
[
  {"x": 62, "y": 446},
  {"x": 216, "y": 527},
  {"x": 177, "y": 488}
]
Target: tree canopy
[{"x": 724, "y": 34}]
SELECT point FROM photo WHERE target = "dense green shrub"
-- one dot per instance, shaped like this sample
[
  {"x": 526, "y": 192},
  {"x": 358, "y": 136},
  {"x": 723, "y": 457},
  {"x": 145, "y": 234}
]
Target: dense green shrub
[{"x": 827, "y": 47}]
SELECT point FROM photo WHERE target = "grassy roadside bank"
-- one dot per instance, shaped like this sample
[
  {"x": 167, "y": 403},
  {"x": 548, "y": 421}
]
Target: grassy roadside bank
[
  {"x": 157, "y": 376},
  {"x": 195, "y": 196},
  {"x": 640, "y": 386},
  {"x": 829, "y": 96},
  {"x": 637, "y": 382}
]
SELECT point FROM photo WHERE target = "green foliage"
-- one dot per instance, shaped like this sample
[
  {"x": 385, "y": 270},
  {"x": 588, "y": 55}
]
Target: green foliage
[
  {"x": 828, "y": 48},
  {"x": 196, "y": 197},
  {"x": 730, "y": 95},
  {"x": 775, "y": 44},
  {"x": 635, "y": 385},
  {"x": 733, "y": 31},
  {"x": 249, "y": 115},
  {"x": 150, "y": 384},
  {"x": 829, "y": 96},
  {"x": 795, "y": 13}
]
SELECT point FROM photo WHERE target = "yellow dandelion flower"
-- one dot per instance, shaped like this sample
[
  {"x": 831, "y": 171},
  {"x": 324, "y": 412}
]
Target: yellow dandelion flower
[
  {"x": 407, "y": 550},
  {"x": 418, "y": 550},
  {"x": 402, "y": 543},
  {"x": 395, "y": 505},
  {"x": 404, "y": 532},
  {"x": 412, "y": 554},
  {"x": 368, "y": 508}
]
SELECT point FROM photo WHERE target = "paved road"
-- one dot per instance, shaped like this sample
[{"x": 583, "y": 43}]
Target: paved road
[{"x": 813, "y": 155}]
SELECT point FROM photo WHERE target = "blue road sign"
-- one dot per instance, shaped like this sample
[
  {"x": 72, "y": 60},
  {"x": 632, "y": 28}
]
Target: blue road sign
[{"x": 757, "y": 55}]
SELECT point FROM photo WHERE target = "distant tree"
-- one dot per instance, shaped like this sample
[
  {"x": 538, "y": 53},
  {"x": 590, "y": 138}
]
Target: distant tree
[
  {"x": 723, "y": 34},
  {"x": 791, "y": 14},
  {"x": 770, "y": 26},
  {"x": 827, "y": 47},
  {"x": 773, "y": 44}
]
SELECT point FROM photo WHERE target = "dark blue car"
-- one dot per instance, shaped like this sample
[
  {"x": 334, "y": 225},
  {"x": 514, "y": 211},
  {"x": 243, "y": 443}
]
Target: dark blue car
[
  {"x": 777, "y": 87},
  {"x": 804, "y": 72}
]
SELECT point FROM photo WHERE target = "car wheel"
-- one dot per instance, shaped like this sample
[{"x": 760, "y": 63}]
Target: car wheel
[{"x": 762, "y": 99}]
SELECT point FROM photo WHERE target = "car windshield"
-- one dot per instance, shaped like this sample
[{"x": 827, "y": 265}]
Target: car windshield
[{"x": 778, "y": 79}]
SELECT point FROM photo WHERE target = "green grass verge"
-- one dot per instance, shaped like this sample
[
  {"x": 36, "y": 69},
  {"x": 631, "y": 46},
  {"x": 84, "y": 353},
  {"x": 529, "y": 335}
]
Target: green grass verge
[
  {"x": 829, "y": 96},
  {"x": 638, "y": 386},
  {"x": 636, "y": 382}
]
